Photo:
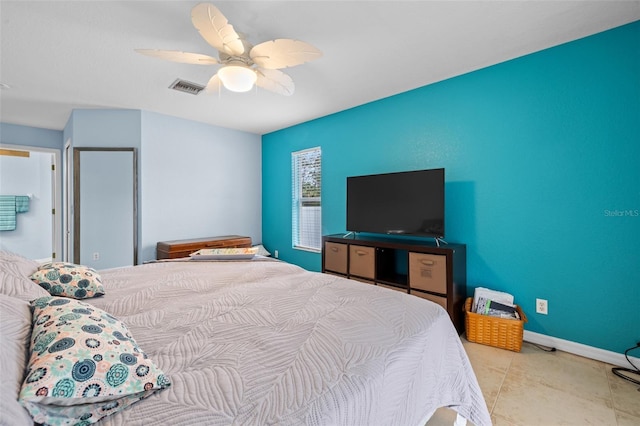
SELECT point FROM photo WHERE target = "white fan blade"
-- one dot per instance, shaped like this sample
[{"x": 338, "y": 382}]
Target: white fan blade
[
  {"x": 275, "y": 81},
  {"x": 214, "y": 84},
  {"x": 282, "y": 53},
  {"x": 215, "y": 29},
  {"x": 178, "y": 56}
]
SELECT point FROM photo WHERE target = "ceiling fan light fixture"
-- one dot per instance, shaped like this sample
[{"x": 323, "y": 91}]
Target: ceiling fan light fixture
[
  {"x": 237, "y": 78},
  {"x": 243, "y": 65}
]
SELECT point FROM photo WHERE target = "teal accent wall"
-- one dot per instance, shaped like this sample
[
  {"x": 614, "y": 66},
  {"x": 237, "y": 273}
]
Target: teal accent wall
[{"x": 542, "y": 159}]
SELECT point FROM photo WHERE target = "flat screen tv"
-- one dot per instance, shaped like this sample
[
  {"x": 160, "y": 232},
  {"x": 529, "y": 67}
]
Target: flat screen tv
[{"x": 404, "y": 203}]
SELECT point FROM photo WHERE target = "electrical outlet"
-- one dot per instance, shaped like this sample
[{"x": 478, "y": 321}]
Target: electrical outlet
[
  {"x": 96, "y": 256},
  {"x": 276, "y": 254},
  {"x": 542, "y": 306}
]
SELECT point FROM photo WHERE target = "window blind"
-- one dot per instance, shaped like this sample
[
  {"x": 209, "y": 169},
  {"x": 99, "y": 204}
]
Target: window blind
[{"x": 306, "y": 172}]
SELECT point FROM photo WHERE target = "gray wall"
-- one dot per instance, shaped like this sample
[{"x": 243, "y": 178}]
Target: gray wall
[
  {"x": 106, "y": 208},
  {"x": 195, "y": 180}
]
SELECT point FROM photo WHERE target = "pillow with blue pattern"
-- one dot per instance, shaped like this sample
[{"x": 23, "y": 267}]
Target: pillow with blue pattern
[
  {"x": 84, "y": 365},
  {"x": 68, "y": 280}
]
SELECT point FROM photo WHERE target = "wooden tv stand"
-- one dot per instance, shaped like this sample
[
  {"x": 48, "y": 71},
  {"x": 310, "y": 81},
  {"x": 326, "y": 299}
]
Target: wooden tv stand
[{"x": 418, "y": 267}]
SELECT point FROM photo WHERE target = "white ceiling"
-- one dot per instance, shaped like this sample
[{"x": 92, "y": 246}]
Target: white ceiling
[{"x": 61, "y": 55}]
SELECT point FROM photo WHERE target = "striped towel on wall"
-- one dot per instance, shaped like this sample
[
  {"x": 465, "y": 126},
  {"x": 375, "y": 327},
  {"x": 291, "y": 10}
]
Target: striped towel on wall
[{"x": 9, "y": 206}]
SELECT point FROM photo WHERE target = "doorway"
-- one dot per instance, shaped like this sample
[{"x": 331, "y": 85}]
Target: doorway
[{"x": 33, "y": 172}]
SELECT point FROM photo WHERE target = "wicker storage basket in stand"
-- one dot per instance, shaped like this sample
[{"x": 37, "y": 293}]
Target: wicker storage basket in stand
[{"x": 493, "y": 331}]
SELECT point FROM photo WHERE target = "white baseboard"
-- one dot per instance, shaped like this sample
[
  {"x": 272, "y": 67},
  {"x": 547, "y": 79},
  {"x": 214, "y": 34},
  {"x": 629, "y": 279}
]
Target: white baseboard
[{"x": 609, "y": 357}]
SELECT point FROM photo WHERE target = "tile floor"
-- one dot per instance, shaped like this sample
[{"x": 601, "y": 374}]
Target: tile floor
[{"x": 533, "y": 387}]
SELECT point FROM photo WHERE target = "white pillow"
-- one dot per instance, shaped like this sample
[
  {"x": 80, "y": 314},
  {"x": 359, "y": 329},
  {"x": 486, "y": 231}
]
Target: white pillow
[{"x": 261, "y": 250}]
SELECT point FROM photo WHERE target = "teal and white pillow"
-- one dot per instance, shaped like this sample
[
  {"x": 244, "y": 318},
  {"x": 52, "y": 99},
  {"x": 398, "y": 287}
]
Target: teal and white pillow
[
  {"x": 84, "y": 365},
  {"x": 68, "y": 280}
]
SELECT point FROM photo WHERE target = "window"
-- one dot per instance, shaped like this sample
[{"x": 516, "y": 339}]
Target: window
[{"x": 306, "y": 206}]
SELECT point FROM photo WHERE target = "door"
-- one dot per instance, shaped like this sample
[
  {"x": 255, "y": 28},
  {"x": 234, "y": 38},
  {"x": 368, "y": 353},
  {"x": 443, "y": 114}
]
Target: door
[{"x": 105, "y": 207}]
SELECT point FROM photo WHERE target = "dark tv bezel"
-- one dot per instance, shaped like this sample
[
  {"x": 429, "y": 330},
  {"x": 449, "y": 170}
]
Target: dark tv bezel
[{"x": 399, "y": 233}]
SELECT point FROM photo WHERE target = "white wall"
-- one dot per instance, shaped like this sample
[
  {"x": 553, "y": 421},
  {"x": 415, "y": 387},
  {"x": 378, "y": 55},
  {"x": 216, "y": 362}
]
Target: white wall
[
  {"x": 197, "y": 180},
  {"x": 29, "y": 175}
]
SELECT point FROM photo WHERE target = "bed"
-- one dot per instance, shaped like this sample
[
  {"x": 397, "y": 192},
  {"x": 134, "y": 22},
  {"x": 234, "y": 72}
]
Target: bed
[{"x": 263, "y": 342}]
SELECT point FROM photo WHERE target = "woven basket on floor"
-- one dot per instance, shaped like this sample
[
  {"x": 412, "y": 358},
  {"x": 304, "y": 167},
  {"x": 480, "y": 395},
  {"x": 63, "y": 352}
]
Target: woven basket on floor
[{"x": 499, "y": 332}]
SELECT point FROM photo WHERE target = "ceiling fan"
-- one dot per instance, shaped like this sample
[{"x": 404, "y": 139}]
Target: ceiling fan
[{"x": 243, "y": 65}]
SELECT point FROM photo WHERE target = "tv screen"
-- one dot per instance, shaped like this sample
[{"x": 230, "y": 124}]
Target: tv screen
[{"x": 405, "y": 203}]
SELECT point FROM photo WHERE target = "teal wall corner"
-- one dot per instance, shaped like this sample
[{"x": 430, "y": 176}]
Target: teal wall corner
[{"x": 542, "y": 181}]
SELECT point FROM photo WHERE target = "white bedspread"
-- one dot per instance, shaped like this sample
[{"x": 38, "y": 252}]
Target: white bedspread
[{"x": 266, "y": 342}]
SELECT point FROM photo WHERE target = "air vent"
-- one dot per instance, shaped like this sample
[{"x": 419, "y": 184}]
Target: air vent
[{"x": 186, "y": 86}]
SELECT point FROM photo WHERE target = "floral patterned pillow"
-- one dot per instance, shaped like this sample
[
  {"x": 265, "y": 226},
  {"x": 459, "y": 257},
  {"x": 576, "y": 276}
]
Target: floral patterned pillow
[
  {"x": 68, "y": 280},
  {"x": 84, "y": 365}
]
